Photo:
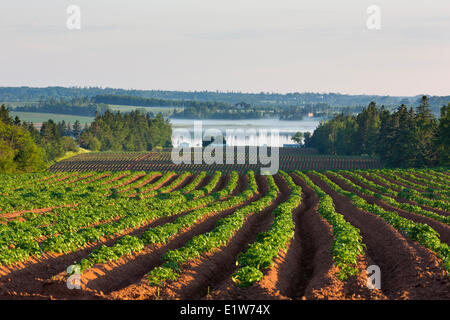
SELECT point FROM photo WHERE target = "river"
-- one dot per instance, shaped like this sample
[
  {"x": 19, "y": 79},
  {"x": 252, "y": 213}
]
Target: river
[{"x": 253, "y": 131}]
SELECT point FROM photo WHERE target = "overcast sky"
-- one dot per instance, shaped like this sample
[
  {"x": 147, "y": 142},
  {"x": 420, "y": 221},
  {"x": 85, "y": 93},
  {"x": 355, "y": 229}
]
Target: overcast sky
[{"x": 229, "y": 45}]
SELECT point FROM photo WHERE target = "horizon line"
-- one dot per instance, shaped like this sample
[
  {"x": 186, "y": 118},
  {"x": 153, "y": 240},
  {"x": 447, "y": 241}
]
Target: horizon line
[{"x": 224, "y": 92}]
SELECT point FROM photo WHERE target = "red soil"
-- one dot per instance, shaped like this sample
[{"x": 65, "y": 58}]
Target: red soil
[
  {"x": 441, "y": 228},
  {"x": 97, "y": 178},
  {"x": 127, "y": 182},
  {"x": 438, "y": 211},
  {"x": 144, "y": 182},
  {"x": 200, "y": 276},
  {"x": 130, "y": 269},
  {"x": 45, "y": 277},
  {"x": 80, "y": 178},
  {"x": 15, "y": 214},
  {"x": 408, "y": 270}
]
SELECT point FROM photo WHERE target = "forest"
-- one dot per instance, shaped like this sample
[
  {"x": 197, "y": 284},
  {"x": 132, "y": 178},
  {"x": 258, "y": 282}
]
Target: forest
[
  {"x": 133, "y": 131},
  {"x": 407, "y": 137},
  {"x": 187, "y": 109},
  {"x": 24, "y": 148},
  {"x": 30, "y": 94},
  {"x": 76, "y": 106}
]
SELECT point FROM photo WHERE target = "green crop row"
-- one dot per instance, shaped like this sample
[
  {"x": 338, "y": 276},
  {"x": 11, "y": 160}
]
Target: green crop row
[
  {"x": 443, "y": 181},
  {"x": 347, "y": 242},
  {"x": 66, "y": 230},
  {"x": 265, "y": 249},
  {"x": 162, "y": 234},
  {"x": 423, "y": 198},
  {"x": 429, "y": 191},
  {"x": 207, "y": 242},
  {"x": 128, "y": 188},
  {"x": 427, "y": 182},
  {"x": 197, "y": 180},
  {"x": 397, "y": 205},
  {"x": 419, "y": 232}
]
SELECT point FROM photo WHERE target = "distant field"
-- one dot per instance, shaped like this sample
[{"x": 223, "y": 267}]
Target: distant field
[
  {"x": 38, "y": 118},
  {"x": 41, "y": 117},
  {"x": 163, "y": 110},
  {"x": 289, "y": 159},
  {"x": 13, "y": 104}
]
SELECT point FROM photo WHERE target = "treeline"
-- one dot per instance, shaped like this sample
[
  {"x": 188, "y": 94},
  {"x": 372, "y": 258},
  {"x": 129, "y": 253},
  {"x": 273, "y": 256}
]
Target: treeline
[
  {"x": 126, "y": 100},
  {"x": 403, "y": 138},
  {"x": 133, "y": 131},
  {"x": 12, "y": 94},
  {"x": 23, "y": 148},
  {"x": 244, "y": 110},
  {"x": 188, "y": 109},
  {"x": 320, "y": 110},
  {"x": 77, "y": 106},
  {"x": 220, "y": 111},
  {"x": 194, "y": 109}
]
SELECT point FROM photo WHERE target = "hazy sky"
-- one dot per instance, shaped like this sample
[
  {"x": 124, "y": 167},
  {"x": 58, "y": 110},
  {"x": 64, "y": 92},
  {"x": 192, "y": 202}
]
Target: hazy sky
[{"x": 245, "y": 45}]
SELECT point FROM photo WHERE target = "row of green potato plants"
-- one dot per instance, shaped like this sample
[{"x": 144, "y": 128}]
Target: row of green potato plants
[
  {"x": 407, "y": 193},
  {"x": 133, "y": 185},
  {"x": 188, "y": 189},
  {"x": 391, "y": 201},
  {"x": 438, "y": 172},
  {"x": 414, "y": 177},
  {"x": 150, "y": 189},
  {"x": 162, "y": 234},
  {"x": 419, "y": 232},
  {"x": 11, "y": 182},
  {"x": 429, "y": 191},
  {"x": 80, "y": 192},
  {"x": 422, "y": 174},
  {"x": 17, "y": 238},
  {"x": 175, "y": 183},
  {"x": 261, "y": 254},
  {"x": 134, "y": 216},
  {"x": 347, "y": 241},
  {"x": 70, "y": 232},
  {"x": 71, "y": 220},
  {"x": 69, "y": 179},
  {"x": 123, "y": 182},
  {"x": 210, "y": 241},
  {"x": 82, "y": 199},
  {"x": 50, "y": 195},
  {"x": 197, "y": 180}
]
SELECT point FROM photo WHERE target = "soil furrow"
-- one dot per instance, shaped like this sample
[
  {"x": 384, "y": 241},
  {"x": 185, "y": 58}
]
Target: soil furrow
[
  {"x": 441, "y": 228},
  {"x": 33, "y": 278},
  {"x": 214, "y": 268},
  {"x": 438, "y": 211},
  {"x": 132, "y": 268},
  {"x": 211, "y": 276},
  {"x": 408, "y": 271},
  {"x": 312, "y": 240},
  {"x": 204, "y": 182},
  {"x": 306, "y": 270}
]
